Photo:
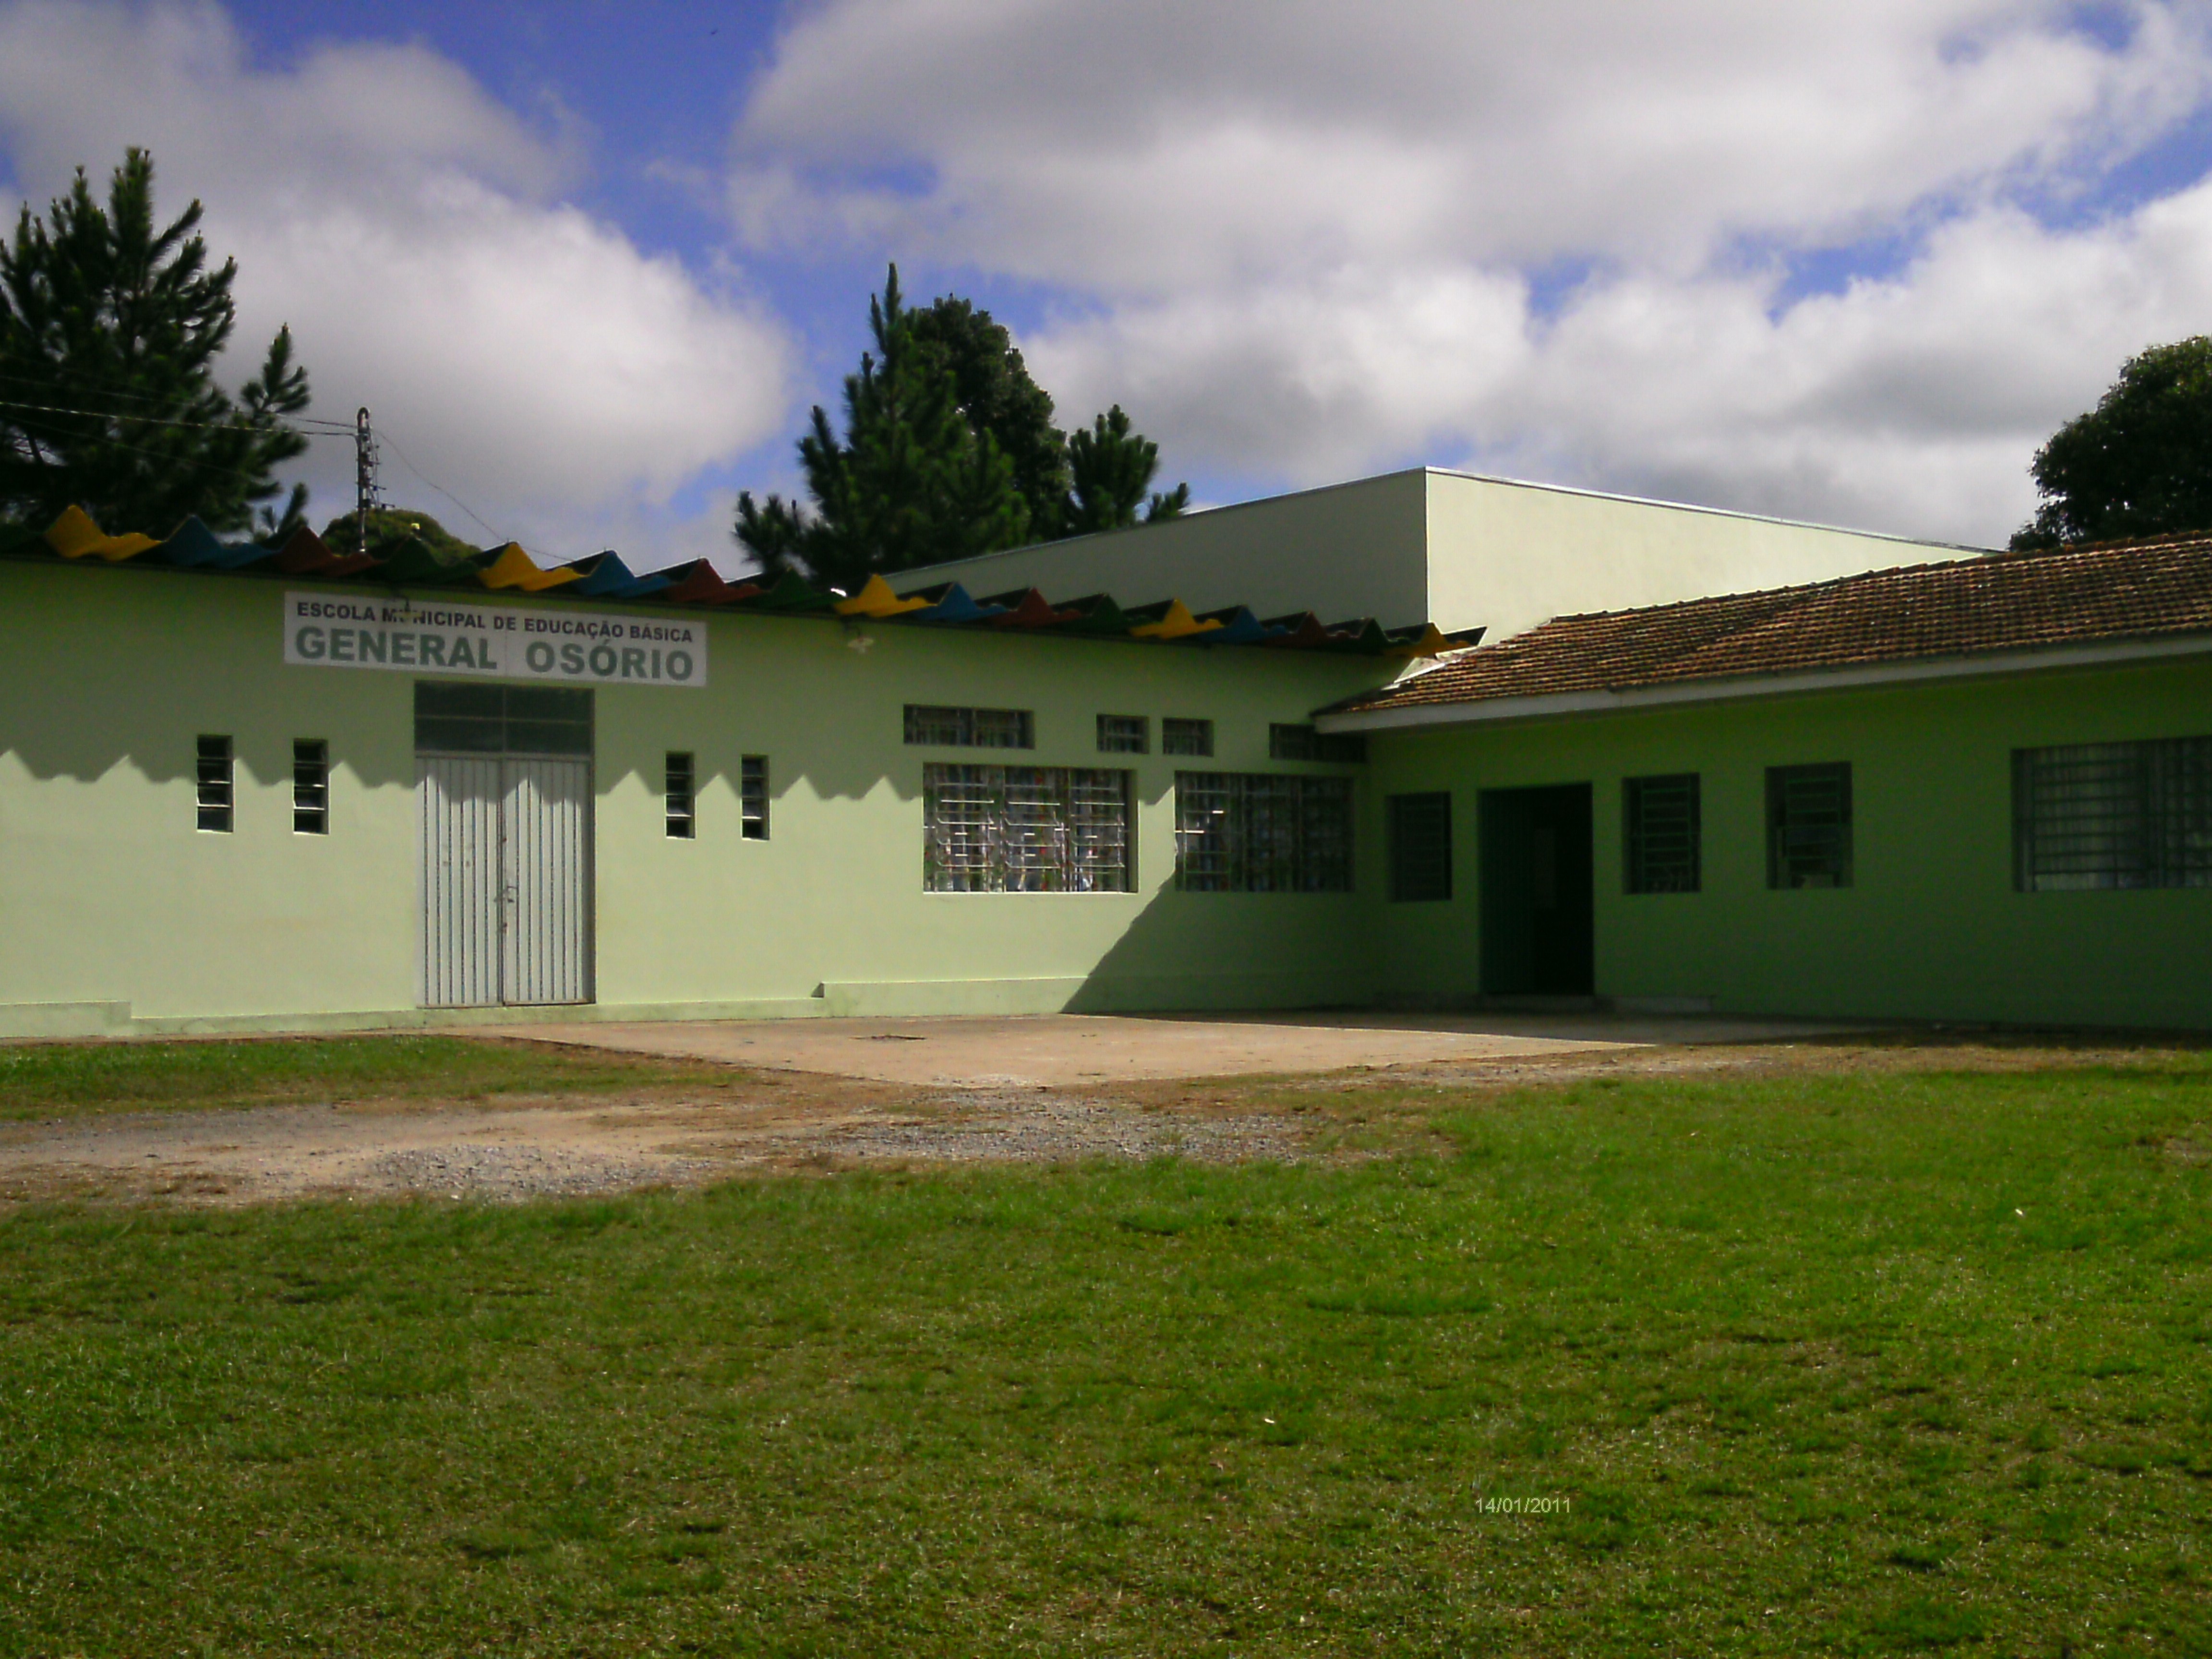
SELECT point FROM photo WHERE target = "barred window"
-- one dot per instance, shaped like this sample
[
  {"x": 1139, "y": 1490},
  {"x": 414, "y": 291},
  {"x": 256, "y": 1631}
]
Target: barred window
[
  {"x": 970, "y": 728},
  {"x": 1660, "y": 829},
  {"x": 680, "y": 797},
  {"x": 1026, "y": 829},
  {"x": 2112, "y": 815},
  {"x": 1305, "y": 743},
  {"x": 1808, "y": 825},
  {"x": 1420, "y": 847},
  {"x": 752, "y": 797},
  {"x": 311, "y": 786},
  {"x": 214, "y": 778},
  {"x": 1124, "y": 734},
  {"x": 1238, "y": 832},
  {"x": 1185, "y": 737}
]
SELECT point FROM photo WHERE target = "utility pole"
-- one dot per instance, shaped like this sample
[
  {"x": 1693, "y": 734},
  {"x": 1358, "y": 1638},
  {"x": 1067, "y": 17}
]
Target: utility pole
[{"x": 364, "y": 475}]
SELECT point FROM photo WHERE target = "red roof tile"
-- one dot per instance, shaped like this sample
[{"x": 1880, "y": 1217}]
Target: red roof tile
[{"x": 2001, "y": 602}]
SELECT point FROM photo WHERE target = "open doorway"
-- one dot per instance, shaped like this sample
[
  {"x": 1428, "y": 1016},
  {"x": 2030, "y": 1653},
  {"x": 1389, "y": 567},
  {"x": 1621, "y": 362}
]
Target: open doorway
[{"x": 1537, "y": 923}]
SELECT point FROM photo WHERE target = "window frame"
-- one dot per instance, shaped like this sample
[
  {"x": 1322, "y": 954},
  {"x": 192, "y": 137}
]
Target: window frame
[
  {"x": 1400, "y": 813},
  {"x": 753, "y": 798},
  {"x": 947, "y": 725},
  {"x": 679, "y": 794},
  {"x": 311, "y": 786},
  {"x": 1635, "y": 867},
  {"x": 1187, "y": 735},
  {"x": 1779, "y": 780},
  {"x": 215, "y": 773},
  {"x": 2149, "y": 831},
  {"x": 1253, "y": 832},
  {"x": 990, "y": 828},
  {"x": 1133, "y": 737}
]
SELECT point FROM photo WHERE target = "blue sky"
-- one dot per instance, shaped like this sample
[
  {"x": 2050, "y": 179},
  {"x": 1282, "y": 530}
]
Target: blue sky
[{"x": 592, "y": 262}]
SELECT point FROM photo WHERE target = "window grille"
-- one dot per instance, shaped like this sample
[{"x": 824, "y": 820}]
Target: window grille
[
  {"x": 1304, "y": 742},
  {"x": 1420, "y": 847},
  {"x": 1240, "y": 832},
  {"x": 1124, "y": 734},
  {"x": 1660, "y": 831},
  {"x": 311, "y": 786},
  {"x": 1186, "y": 736},
  {"x": 1808, "y": 825},
  {"x": 680, "y": 796},
  {"x": 2102, "y": 816},
  {"x": 970, "y": 728},
  {"x": 1026, "y": 829},
  {"x": 752, "y": 797},
  {"x": 214, "y": 775},
  {"x": 459, "y": 718}
]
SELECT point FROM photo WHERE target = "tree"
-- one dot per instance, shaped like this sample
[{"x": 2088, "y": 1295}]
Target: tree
[
  {"x": 393, "y": 529},
  {"x": 2140, "y": 464},
  {"x": 909, "y": 482},
  {"x": 948, "y": 451},
  {"x": 119, "y": 325},
  {"x": 1112, "y": 468}
]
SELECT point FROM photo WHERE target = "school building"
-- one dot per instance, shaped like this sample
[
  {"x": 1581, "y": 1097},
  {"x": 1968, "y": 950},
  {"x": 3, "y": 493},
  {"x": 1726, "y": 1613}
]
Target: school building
[{"x": 1423, "y": 739}]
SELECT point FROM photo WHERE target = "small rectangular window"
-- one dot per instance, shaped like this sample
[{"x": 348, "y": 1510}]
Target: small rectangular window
[
  {"x": 1124, "y": 734},
  {"x": 1238, "y": 832},
  {"x": 970, "y": 728},
  {"x": 1185, "y": 737},
  {"x": 752, "y": 797},
  {"x": 1304, "y": 742},
  {"x": 215, "y": 785},
  {"x": 311, "y": 786},
  {"x": 1659, "y": 820},
  {"x": 1420, "y": 847},
  {"x": 1808, "y": 825},
  {"x": 1026, "y": 829},
  {"x": 680, "y": 797},
  {"x": 2103, "y": 815}
]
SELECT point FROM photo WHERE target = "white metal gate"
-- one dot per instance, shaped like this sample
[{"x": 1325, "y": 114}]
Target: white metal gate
[{"x": 506, "y": 881}]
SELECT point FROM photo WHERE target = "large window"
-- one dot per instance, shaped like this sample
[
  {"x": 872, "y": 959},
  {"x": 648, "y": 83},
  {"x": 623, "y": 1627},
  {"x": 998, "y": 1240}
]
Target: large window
[
  {"x": 1025, "y": 830},
  {"x": 1808, "y": 825},
  {"x": 1238, "y": 832},
  {"x": 1420, "y": 847},
  {"x": 2112, "y": 815},
  {"x": 970, "y": 728},
  {"x": 1659, "y": 830}
]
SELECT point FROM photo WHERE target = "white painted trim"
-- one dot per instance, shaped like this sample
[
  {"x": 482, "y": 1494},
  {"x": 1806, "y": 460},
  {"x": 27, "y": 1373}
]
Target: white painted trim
[{"x": 1487, "y": 711}]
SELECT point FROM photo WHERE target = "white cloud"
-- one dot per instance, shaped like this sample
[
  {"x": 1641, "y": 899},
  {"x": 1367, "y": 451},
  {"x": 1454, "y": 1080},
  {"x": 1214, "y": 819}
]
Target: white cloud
[
  {"x": 1298, "y": 239},
  {"x": 528, "y": 357}
]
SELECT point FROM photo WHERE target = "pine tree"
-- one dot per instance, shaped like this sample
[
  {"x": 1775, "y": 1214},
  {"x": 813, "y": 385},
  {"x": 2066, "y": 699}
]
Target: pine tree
[
  {"x": 120, "y": 326},
  {"x": 948, "y": 451}
]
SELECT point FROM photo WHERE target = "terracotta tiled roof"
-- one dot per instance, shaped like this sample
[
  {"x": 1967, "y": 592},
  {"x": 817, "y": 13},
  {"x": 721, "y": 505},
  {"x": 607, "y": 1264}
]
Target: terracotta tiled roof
[{"x": 2000, "y": 602}]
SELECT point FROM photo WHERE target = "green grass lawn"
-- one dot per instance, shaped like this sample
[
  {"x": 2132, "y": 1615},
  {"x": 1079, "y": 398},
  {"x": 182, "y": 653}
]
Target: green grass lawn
[
  {"x": 58, "y": 1079},
  {"x": 1850, "y": 1364}
]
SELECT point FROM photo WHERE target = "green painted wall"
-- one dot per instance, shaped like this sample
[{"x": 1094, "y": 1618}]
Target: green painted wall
[
  {"x": 1932, "y": 927},
  {"x": 110, "y": 896}
]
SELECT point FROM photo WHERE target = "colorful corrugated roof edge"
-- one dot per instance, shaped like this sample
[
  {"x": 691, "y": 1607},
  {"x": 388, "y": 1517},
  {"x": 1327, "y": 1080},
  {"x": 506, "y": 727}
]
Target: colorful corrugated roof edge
[
  {"x": 605, "y": 577},
  {"x": 2000, "y": 602}
]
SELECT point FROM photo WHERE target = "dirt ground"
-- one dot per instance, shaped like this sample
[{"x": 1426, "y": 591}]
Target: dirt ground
[{"x": 790, "y": 1120}]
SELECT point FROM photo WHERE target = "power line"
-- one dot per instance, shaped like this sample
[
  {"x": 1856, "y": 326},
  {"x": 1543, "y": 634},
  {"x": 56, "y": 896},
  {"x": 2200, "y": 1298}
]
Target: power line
[
  {"x": 335, "y": 427},
  {"x": 141, "y": 449},
  {"x": 156, "y": 420},
  {"x": 441, "y": 489}
]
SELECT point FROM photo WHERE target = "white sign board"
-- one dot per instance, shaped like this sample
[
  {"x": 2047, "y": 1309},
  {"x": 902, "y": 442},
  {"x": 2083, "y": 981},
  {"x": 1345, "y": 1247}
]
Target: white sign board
[{"x": 497, "y": 641}]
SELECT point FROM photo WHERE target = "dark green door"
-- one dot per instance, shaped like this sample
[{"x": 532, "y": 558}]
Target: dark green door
[{"x": 1536, "y": 907}]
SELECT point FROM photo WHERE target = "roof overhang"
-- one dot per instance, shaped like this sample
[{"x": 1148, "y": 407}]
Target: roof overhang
[{"x": 1565, "y": 705}]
